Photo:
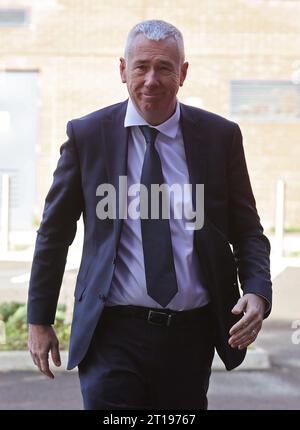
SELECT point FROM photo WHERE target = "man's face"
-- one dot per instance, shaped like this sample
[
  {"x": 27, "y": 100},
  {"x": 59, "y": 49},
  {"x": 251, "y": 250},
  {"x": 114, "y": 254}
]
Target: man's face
[{"x": 153, "y": 73}]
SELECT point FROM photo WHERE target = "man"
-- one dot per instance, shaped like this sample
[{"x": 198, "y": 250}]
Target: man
[{"x": 153, "y": 298}]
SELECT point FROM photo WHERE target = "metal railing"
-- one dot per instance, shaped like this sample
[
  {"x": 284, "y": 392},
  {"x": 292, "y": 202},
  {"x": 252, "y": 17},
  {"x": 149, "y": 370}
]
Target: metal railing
[{"x": 5, "y": 197}]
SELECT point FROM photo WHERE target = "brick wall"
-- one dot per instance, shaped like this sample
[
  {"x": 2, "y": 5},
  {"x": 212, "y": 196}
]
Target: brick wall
[{"x": 75, "y": 45}]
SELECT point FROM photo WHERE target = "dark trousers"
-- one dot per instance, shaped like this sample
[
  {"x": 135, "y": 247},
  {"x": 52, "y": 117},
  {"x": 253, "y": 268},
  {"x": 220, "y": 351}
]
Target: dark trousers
[{"x": 133, "y": 363}]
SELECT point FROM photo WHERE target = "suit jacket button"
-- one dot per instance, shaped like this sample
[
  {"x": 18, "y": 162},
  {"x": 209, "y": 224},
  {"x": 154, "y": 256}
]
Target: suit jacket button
[{"x": 102, "y": 297}]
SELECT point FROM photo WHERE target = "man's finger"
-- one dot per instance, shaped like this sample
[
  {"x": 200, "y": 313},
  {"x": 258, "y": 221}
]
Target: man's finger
[
  {"x": 254, "y": 326},
  {"x": 245, "y": 344},
  {"x": 55, "y": 355},
  {"x": 37, "y": 361},
  {"x": 239, "y": 307},
  {"x": 44, "y": 362},
  {"x": 34, "y": 359},
  {"x": 243, "y": 338},
  {"x": 248, "y": 337},
  {"x": 243, "y": 323},
  {"x": 248, "y": 331}
]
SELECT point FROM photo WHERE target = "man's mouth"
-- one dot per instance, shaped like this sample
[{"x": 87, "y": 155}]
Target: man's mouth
[{"x": 150, "y": 96}]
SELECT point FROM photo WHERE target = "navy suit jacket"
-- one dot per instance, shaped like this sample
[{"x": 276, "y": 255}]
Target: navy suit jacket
[{"x": 96, "y": 153}]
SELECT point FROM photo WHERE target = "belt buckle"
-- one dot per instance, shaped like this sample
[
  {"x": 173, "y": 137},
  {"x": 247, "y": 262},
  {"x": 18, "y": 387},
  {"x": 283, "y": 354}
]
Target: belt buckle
[{"x": 165, "y": 318}]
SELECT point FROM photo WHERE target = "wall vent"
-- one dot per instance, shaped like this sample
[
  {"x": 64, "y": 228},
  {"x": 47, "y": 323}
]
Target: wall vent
[{"x": 13, "y": 17}]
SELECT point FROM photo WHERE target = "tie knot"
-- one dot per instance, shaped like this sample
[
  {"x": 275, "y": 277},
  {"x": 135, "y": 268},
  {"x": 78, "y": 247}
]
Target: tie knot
[{"x": 149, "y": 133}]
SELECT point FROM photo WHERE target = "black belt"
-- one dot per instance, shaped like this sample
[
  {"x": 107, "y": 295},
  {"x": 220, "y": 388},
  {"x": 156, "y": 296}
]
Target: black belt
[{"x": 160, "y": 317}]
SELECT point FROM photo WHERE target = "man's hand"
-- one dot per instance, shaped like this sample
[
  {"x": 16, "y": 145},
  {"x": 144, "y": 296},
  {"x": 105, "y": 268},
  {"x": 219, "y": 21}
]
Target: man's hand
[
  {"x": 41, "y": 340},
  {"x": 246, "y": 330}
]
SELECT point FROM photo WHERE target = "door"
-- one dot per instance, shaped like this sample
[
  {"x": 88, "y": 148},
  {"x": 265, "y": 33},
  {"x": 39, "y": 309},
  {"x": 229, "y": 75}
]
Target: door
[{"x": 18, "y": 136}]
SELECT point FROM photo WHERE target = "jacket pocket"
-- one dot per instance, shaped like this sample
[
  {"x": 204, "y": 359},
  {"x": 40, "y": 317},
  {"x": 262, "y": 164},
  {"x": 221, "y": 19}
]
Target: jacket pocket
[
  {"x": 84, "y": 268},
  {"x": 79, "y": 290}
]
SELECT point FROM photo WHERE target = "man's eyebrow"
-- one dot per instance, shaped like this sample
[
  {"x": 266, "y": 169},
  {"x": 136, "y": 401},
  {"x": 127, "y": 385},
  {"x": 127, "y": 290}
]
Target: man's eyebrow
[
  {"x": 165, "y": 63},
  {"x": 160, "y": 62},
  {"x": 140, "y": 62}
]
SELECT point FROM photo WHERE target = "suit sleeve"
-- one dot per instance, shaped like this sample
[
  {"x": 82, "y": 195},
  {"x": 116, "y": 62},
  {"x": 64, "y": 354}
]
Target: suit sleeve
[
  {"x": 63, "y": 207},
  {"x": 251, "y": 248}
]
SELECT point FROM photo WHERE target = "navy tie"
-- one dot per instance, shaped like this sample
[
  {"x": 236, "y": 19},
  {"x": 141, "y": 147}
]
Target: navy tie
[{"x": 156, "y": 236}]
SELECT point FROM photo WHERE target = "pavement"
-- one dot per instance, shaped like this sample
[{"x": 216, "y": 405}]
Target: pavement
[{"x": 277, "y": 388}]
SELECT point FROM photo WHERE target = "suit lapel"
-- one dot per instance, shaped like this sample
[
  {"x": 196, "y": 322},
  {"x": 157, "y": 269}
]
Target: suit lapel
[
  {"x": 196, "y": 139},
  {"x": 195, "y": 144},
  {"x": 115, "y": 137},
  {"x": 212, "y": 245}
]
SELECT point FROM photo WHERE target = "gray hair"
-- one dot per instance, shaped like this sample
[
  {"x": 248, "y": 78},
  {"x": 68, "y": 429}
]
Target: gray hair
[{"x": 154, "y": 29}]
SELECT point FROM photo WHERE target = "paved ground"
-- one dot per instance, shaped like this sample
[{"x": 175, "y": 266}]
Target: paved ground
[
  {"x": 28, "y": 390},
  {"x": 277, "y": 388},
  {"x": 234, "y": 391}
]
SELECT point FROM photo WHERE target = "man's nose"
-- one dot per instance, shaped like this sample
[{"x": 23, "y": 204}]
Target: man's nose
[{"x": 151, "y": 79}]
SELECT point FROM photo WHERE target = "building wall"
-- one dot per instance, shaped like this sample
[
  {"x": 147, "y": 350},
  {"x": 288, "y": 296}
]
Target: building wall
[{"x": 76, "y": 44}]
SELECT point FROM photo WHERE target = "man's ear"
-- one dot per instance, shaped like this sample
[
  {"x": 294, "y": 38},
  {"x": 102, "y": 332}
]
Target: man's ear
[
  {"x": 183, "y": 72},
  {"x": 123, "y": 70}
]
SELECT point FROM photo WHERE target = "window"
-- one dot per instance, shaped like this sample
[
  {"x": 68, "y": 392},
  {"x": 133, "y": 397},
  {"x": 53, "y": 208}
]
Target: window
[
  {"x": 265, "y": 100},
  {"x": 13, "y": 17}
]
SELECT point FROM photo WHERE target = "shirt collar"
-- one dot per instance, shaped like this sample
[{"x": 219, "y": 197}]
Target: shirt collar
[{"x": 169, "y": 127}]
